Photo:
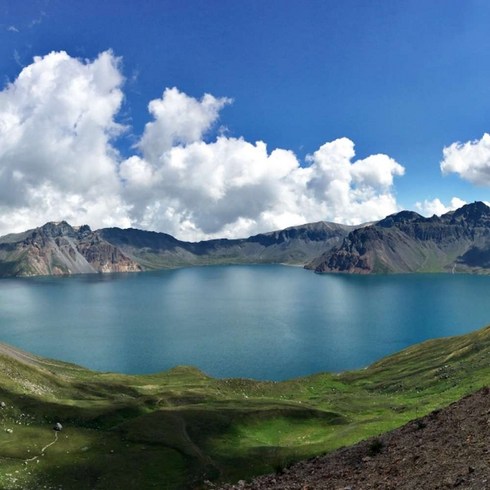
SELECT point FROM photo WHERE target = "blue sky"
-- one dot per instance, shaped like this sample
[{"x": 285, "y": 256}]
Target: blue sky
[{"x": 402, "y": 79}]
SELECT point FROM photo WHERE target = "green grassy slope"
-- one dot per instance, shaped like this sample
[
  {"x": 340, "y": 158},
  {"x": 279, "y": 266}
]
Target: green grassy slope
[{"x": 178, "y": 428}]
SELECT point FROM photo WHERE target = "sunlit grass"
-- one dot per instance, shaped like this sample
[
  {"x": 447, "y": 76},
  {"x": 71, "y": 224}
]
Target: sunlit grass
[{"x": 178, "y": 428}]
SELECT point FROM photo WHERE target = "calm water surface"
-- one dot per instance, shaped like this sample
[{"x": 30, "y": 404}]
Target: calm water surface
[{"x": 265, "y": 322}]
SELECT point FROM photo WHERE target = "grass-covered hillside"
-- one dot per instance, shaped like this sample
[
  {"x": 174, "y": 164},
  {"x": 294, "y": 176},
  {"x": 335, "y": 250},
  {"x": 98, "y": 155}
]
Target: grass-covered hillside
[{"x": 179, "y": 428}]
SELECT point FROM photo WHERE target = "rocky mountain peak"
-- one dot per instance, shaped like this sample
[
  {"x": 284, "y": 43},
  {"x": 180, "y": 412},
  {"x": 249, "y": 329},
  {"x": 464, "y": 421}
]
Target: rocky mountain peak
[
  {"x": 55, "y": 229},
  {"x": 476, "y": 214},
  {"x": 403, "y": 217},
  {"x": 83, "y": 231}
]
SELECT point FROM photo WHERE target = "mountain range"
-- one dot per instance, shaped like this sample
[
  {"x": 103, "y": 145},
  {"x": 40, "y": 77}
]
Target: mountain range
[
  {"x": 61, "y": 249},
  {"x": 458, "y": 241}
]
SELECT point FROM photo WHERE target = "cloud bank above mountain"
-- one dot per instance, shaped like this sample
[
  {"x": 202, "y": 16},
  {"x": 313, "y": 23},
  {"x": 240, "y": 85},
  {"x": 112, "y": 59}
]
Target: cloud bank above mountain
[
  {"x": 232, "y": 187},
  {"x": 59, "y": 160},
  {"x": 470, "y": 160},
  {"x": 429, "y": 207}
]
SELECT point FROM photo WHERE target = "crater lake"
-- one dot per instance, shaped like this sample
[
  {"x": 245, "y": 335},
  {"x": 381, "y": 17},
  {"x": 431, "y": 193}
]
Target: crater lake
[{"x": 256, "y": 321}]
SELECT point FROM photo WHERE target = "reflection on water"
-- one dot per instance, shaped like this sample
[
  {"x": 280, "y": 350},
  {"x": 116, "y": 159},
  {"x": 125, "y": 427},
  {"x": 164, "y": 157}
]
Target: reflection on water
[{"x": 267, "y": 322}]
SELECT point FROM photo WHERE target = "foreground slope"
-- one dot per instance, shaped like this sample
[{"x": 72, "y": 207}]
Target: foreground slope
[
  {"x": 446, "y": 449},
  {"x": 179, "y": 428},
  {"x": 458, "y": 241}
]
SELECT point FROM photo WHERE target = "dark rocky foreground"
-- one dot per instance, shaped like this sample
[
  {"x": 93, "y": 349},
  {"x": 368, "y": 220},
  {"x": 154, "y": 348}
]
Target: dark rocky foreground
[{"x": 448, "y": 448}]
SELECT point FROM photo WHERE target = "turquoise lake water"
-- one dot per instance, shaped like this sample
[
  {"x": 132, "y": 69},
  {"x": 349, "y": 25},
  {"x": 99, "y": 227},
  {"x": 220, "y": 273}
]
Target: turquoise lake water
[{"x": 263, "y": 322}]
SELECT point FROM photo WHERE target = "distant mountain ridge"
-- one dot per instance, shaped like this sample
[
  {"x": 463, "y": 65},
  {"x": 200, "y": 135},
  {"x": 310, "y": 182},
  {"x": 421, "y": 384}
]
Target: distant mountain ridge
[
  {"x": 61, "y": 249},
  {"x": 458, "y": 241},
  {"x": 295, "y": 245}
]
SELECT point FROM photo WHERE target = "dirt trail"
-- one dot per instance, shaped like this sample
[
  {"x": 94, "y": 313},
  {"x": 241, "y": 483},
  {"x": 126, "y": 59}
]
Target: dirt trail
[{"x": 44, "y": 449}]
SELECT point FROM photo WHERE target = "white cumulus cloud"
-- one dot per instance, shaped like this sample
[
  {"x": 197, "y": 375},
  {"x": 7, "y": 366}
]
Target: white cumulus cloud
[
  {"x": 57, "y": 120},
  {"x": 59, "y": 160},
  {"x": 232, "y": 187},
  {"x": 470, "y": 160},
  {"x": 178, "y": 120},
  {"x": 435, "y": 206}
]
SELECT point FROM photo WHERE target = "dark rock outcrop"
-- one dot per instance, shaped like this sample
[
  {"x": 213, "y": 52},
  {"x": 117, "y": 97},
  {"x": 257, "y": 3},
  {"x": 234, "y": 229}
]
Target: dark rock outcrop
[{"x": 458, "y": 241}]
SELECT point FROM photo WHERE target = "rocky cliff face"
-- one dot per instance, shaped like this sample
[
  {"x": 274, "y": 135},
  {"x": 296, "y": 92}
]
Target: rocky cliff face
[
  {"x": 59, "y": 249},
  {"x": 458, "y": 241}
]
